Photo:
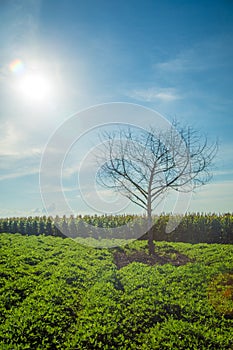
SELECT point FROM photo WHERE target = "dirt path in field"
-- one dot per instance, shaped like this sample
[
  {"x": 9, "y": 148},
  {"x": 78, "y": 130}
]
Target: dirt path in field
[{"x": 173, "y": 257}]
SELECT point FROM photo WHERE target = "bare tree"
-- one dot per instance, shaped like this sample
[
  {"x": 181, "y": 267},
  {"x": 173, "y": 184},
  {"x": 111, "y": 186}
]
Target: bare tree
[{"x": 144, "y": 165}]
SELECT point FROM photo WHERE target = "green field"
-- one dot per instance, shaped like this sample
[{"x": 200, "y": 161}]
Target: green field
[{"x": 59, "y": 294}]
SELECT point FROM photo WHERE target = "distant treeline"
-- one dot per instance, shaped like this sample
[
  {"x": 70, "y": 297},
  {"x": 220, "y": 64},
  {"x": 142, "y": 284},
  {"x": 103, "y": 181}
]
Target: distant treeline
[{"x": 193, "y": 228}]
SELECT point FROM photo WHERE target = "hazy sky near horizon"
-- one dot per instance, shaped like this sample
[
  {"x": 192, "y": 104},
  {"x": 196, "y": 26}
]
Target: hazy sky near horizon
[{"x": 60, "y": 57}]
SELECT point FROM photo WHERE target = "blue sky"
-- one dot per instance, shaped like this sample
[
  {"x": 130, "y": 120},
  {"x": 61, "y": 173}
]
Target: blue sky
[{"x": 175, "y": 57}]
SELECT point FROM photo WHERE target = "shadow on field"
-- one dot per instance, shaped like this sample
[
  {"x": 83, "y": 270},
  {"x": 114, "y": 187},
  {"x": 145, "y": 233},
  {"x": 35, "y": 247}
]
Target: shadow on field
[{"x": 172, "y": 256}]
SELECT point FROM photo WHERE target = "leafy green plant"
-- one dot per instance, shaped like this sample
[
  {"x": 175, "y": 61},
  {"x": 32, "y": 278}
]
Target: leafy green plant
[{"x": 58, "y": 294}]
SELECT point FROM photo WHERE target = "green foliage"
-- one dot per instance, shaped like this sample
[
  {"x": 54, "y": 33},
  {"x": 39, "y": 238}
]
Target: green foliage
[
  {"x": 193, "y": 228},
  {"x": 221, "y": 293},
  {"x": 57, "y": 294}
]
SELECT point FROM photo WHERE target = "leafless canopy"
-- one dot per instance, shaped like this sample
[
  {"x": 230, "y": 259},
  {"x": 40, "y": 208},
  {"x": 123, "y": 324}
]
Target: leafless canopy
[{"x": 144, "y": 164}]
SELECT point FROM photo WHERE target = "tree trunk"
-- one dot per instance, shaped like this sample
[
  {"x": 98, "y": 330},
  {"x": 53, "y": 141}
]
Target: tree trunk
[{"x": 151, "y": 244}]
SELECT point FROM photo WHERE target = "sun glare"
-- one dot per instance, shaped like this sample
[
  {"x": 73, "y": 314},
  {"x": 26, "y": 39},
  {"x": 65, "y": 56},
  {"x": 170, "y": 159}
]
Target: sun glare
[{"x": 34, "y": 87}]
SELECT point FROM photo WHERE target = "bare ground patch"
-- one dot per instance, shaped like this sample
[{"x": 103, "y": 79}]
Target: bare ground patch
[{"x": 173, "y": 257}]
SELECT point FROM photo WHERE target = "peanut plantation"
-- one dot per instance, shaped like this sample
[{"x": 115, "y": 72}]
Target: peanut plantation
[{"x": 59, "y": 294}]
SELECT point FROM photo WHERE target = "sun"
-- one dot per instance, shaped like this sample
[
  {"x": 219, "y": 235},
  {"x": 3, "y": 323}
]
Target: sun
[{"x": 34, "y": 87}]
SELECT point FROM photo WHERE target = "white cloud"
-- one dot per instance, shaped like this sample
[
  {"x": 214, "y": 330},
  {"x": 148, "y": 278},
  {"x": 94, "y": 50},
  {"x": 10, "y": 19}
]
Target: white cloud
[
  {"x": 204, "y": 55},
  {"x": 20, "y": 173},
  {"x": 223, "y": 172},
  {"x": 188, "y": 60},
  {"x": 175, "y": 65},
  {"x": 10, "y": 140},
  {"x": 69, "y": 172},
  {"x": 214, "y": 197},
  {"x": 155, "y": 94},
  {"x": 58, "y": 189},
  {"x": 18, "y": 157},
  {"x": 16, "y": 143},
  {"x": 167, "y": 96},
  {"x": 16, "y": 164}
]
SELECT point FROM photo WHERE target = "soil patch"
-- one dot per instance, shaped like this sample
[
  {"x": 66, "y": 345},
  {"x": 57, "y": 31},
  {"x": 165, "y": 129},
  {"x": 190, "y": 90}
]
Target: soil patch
[{"x": 122, "y": 259}]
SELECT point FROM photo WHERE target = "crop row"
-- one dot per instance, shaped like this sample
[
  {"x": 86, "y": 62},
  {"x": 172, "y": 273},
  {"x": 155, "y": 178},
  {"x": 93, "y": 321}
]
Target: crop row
[
  {"x": 192, "y": 228},
  {"x": 57, "y": 294}
]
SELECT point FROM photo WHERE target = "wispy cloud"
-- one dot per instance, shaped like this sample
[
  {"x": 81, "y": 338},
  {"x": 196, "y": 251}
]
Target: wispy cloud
[
  {"x": 155, "y": 94},
  {"x": 19, "y": 173},
  {"x": 10, "y": 139},
  {"x": 203, "y": 56},
  {"x": 15, "y": 142},
  {"x": 223, "y": 172},
  {"x": 187, "y": 60},
  {"x": 181, "y": 63},
  {"x": 17, "y": 158},
  {"x": 217, "y": 197}
]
